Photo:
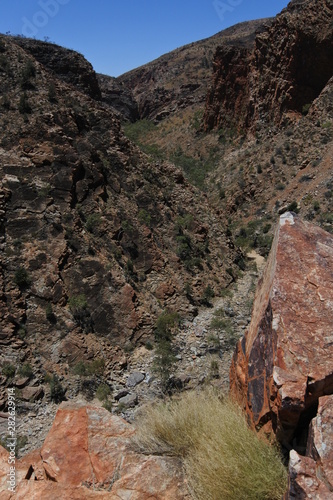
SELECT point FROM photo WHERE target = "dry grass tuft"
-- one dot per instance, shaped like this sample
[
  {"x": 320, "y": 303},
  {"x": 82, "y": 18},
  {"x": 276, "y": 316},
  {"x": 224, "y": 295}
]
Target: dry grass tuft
[{"x": 223, "y": 458}]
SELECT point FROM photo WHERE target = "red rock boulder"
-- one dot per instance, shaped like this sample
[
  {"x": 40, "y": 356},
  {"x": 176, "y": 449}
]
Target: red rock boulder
[{"x": 283, "y": 364}]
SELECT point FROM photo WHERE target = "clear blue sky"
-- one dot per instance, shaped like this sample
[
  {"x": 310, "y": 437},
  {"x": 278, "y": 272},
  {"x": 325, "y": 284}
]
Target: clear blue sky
[{"x": 119, "y": 35}]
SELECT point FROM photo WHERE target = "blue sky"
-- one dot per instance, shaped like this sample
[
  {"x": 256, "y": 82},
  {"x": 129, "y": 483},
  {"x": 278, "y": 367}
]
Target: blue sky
[{"x": 119, "y": 35}]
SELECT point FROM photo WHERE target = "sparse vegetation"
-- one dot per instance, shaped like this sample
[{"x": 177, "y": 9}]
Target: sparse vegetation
[
  {"x": 29, "y": 72},
  {"x": 7, "y": 441},
  {"x": 78, "y": 306},
  {"x": 223, "y": 458},
  {"x": 95, "y": 367},
  {"x": 144, "y": 217}
]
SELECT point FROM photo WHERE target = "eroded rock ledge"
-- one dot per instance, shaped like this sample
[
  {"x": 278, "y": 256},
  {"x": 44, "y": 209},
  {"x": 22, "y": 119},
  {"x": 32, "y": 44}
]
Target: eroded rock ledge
[{"x": 282, "y": 370}]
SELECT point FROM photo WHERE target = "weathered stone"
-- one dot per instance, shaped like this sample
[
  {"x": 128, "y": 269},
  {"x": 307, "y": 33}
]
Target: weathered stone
[
  {"x": 32, "y": 393},
  {"x": 21, "y": 382},
  {"x": 284, "y": 363},
  {"x": 135, "y": 378},
  {"x": 87, "y": 455},
  {"x": 129, "y": 400}
]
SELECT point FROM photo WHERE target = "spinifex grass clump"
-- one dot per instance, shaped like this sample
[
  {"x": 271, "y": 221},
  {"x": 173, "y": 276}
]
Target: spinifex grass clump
[{"x": 223, "y": 458}]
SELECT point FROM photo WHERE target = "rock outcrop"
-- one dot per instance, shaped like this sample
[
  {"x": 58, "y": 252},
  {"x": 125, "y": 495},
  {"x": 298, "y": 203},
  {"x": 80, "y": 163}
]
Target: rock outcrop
[
  {"x": 65, "y": 64},
  {"x": 88, "y": 454},
  {"x": 286, "y": 70},
  {"x": 282, "y": 369},
  {"x": 90, "y": 227}
]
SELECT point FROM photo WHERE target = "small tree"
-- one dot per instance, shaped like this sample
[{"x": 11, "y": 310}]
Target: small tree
[
  {"x": 164, "y": 362},
  {"x": 24, "y": 106},
  {"x": 208, "y": 295},
  {"x": 165, "y": 324}
]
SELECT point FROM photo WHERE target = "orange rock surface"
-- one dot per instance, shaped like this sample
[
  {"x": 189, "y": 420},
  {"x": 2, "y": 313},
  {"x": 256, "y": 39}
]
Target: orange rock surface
[{"x": 87, "y": 454}]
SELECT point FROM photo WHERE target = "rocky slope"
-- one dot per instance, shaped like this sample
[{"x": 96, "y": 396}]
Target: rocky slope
[{"x": 97, "y": 240}]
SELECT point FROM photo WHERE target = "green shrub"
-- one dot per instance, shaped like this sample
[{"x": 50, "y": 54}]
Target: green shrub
[
  {"x": 8, "y": 370},
  {"x": 95, "y": 367},
  {"x": 208, "y": 295},
  {"x": 138, "y": 130},
  {"x": 92, "y": 222},
  {"x": 26, "y": 370},
  {"x": 7, "y": 441},
  {"x": 223, "y": 457},
  {"x": 80, "y": 369},
  {"x": 52, "y": 93},
  {"x": 50, "y": 316},
  {"x": 77, "y": 303},
  {"x": 103, "y": 391},
  {"x": 57, "y": 391},
  {"x": 293, "y": 207},
  {"x": 316, "y": 206},
  {"x": 305, "y": 108},
  {"x": 22, "y": 278},
  {"x": 214, "y": 371},
  {"x": 144, "y": 217},
  {"x": 107, "y": 405}
]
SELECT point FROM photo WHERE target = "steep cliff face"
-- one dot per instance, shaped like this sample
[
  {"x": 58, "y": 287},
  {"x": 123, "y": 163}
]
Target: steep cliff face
[
  {"x": 180, "y": 79},
  {"x": 286, "y": 70}
]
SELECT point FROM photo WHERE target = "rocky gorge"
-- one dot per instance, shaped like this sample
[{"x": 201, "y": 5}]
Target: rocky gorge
[{"x": 192, "y": 199}]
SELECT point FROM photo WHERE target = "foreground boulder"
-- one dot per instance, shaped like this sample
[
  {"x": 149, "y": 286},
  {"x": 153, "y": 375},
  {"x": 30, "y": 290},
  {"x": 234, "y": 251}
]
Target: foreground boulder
[
  {"x": 283, "y": 364},
  {"x": 87, "y": 454}
]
